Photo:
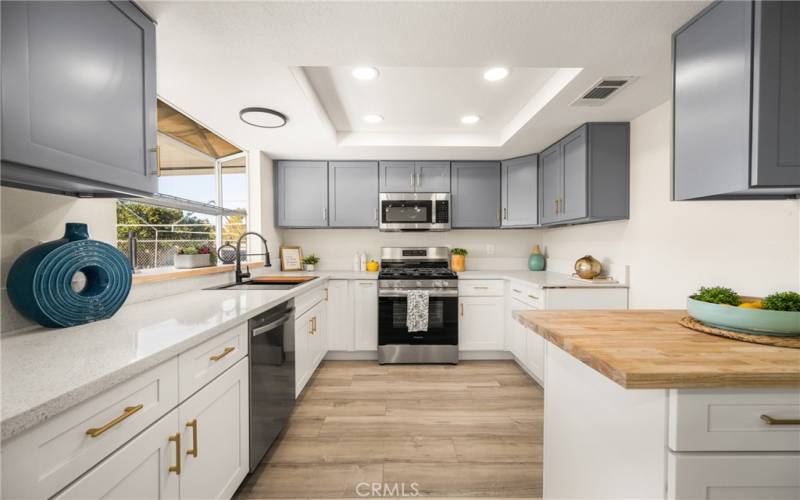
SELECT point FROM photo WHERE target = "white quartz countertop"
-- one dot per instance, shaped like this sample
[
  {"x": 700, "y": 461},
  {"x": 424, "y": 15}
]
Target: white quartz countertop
[
  {"x": 539, "y": 279},
  {"x": 48, "y": 370}
]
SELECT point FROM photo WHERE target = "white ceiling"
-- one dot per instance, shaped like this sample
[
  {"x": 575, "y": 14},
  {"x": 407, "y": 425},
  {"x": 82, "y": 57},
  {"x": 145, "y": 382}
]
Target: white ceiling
[{"x": 215, "y": 58}]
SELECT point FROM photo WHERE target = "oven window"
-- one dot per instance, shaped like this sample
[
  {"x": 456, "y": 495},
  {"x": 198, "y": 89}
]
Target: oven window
[
  {"x": 435, "y": 314},
  {"x": 407, "y": 211}
]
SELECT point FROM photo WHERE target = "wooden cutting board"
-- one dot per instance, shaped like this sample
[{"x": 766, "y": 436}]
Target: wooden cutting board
[{"x": 282, "y": 279}]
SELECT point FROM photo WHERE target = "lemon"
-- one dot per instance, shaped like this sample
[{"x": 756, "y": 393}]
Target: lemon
[{"x": 751, "y": 305}]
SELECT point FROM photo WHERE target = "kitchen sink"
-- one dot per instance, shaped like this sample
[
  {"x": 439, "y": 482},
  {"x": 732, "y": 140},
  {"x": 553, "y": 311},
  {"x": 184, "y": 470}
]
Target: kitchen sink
[{"x": 252, "y": 285}]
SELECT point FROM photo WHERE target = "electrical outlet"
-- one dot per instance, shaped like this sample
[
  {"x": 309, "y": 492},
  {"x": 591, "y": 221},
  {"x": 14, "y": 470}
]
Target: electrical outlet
[{"x": 489, "y": 249}]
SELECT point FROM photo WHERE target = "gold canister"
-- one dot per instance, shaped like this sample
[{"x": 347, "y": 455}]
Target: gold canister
[
  {"x": 457, "y": 263},
  {"x": 587, "y": 267}
]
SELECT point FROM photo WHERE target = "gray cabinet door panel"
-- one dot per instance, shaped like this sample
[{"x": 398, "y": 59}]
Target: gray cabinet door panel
[
  {"x": 712, "y": 102},
  {"x": 475, "y": 194},
  {"x": 776, "y": 108},
  {"x": 397, "y": 177},
  {"x": 79, "y": 90},
  {"x": 302, "y": 193},
  {"x": 574, "y": 202},
  {"x": 519, "y": 192},
  {"x": 550, "y": 175},
  {"x": 432, "y": 176},
  {"x": 353, "y": 193}
]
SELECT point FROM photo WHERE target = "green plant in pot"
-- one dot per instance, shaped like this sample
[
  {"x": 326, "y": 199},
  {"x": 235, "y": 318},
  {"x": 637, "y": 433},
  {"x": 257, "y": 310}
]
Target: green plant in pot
[
  {"x": 776, "y": 315},
  {"x": 458, "y": 259},
  {"x": 310, "y": 261}
]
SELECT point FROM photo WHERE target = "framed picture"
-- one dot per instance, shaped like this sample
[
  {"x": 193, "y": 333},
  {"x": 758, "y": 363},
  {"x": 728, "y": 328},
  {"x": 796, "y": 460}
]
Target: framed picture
[{"x": 291, "y": 258}]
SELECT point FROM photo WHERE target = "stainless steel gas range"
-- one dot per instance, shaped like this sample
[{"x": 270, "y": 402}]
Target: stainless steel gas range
[{"x": 417, "y": 268}]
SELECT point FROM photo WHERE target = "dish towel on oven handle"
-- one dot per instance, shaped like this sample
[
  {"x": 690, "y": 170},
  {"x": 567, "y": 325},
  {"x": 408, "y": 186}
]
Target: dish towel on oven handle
[{"x": 417, "y": 310}]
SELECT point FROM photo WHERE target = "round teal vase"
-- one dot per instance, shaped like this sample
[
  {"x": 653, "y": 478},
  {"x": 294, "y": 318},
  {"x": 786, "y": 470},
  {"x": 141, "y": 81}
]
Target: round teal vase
[
  {"x": 536, "y": 260},
  {"x": 40, "y": 285}
]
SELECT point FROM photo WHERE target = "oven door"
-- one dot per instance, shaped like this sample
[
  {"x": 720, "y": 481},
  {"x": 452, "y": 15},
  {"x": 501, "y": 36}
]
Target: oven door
[{"x": 442, "y": 320}]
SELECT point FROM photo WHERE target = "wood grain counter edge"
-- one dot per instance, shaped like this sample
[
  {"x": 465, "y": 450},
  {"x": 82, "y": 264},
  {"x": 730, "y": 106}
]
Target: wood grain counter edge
[{"x": 679, "y": 379}]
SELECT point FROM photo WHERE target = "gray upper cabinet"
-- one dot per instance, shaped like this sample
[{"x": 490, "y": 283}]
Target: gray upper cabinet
[
  {"x": 353, "y": 193},
  {"x": 397, "y": 176},
  {"x": 736, "y": 99},
  {"x": 78, "y": 97},
  {"x": 519, "y": 191},
  {"x": 475, "y": 191},
  {"x": 432, "y": 176},
  {"x": 301, "y": 198},
  {"x": 585, "y": 176},
  {"x": 414, "y": 176}
]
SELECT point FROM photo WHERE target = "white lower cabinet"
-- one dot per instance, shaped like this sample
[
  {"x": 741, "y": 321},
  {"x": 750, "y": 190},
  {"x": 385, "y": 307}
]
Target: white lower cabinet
[
  {"x": 481, "y": 323},
  {"x": 140, "y": 469},
  {"x": 733, "y": 476},
  {"x": 215, "y": 437},
  {"x": 366, "y": 315},
  {"x": 310, "y": 343},
  {"x": 340, "y": 315}
]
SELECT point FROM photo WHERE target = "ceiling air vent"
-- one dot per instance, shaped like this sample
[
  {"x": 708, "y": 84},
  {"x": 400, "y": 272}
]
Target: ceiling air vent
[{"x": 603, "y": 90}]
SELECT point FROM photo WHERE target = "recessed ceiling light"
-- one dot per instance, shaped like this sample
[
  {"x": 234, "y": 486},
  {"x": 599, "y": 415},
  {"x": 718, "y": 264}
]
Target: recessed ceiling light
[
  {"x": 373, "y": 118},
  {"x": 365, "y": 73},
  {"x": 470, "y": 119},
  {"x": 494, "y": 74},
  {"x": 263, "y": 117}
]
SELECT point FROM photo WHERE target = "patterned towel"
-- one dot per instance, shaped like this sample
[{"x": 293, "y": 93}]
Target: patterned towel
[{"x": 417, "y": 311}]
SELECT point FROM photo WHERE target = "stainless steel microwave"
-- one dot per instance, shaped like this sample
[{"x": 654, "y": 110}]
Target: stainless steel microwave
[{"x": 415, "y": 211}]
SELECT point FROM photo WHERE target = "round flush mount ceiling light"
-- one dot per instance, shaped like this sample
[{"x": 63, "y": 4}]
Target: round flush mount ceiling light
[
  {"x": 470, "y": 119},
  {"x": 373, "y": 118},
  {"x": 365, "y": 73},
  {"x": 263, "y": 117},
  {"x": 494, "y": 74}
]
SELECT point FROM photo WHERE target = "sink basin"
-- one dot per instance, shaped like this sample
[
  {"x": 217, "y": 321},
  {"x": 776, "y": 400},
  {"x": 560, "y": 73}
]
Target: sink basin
[{"x": 252, "y": 285}]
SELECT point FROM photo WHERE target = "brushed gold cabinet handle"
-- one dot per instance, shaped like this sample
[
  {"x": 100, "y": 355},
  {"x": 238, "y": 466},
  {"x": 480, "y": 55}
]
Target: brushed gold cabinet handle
[
  {"x": 480, "y": 287},
  {"x": 462, "y": 309},
  {"x": 177, "y": 467},
  {"x": 555, "y": 204},
  {"x": 193, "y": 450},
  {"x": 221, "y": 355},
  {"x": 326, "y": 295},
  {"x": 516, "y": 291},
  {"x": 533, "y": 297},
  {"x": 780, "y": 421},
  {"x": 127, "y": 412}
]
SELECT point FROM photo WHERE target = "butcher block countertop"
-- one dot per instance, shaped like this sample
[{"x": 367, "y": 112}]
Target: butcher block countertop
[{"x": 641, "y": 349}]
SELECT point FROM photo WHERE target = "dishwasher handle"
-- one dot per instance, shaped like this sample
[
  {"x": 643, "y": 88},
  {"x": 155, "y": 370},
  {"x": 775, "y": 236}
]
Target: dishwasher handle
[{"x": 270, "y": 326}]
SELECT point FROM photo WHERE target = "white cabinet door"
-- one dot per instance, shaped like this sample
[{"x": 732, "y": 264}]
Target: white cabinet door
[
  {"x": 318, "y": 342},
  {"x": 140, "y": 469},
  {"x": 480, "y": 326},
  {"x": 302, "y": 351},
  {"x": 215, "y": 437},
  {"x": 366, "y": 315},
  {"x": 534, "y": 353},
  {"x": 518, "y": 337},
  {"x": 733, "y": 476},
  {"x": 340, "y": 316}
]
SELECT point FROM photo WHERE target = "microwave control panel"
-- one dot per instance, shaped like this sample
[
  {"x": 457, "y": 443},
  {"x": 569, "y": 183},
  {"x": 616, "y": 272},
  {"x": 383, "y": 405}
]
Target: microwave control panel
[{"x": 442, "y": 211}]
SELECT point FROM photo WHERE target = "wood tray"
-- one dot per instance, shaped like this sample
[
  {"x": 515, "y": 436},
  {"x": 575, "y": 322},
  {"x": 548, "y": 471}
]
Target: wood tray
[
  {"x": 283, "y": 279},
  {"x": 791, "y": 342}
]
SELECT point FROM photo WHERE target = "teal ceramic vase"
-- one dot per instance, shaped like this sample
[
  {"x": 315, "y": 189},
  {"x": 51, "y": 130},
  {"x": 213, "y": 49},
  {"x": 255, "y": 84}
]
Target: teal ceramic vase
[
  {"x": 536, "y": 260},
  {"x": 40, "y": 282}
]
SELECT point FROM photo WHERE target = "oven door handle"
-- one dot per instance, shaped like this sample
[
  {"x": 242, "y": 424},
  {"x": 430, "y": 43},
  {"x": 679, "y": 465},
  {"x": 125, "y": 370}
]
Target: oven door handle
[{"x": 404, "y": 292}]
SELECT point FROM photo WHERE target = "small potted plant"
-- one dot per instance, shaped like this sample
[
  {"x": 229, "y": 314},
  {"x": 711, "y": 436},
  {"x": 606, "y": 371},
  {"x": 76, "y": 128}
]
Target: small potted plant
[
  {"x": 310, "y": 261},
  {"x": 193, "y": 256},
  {"x": 457, "y": 259}
]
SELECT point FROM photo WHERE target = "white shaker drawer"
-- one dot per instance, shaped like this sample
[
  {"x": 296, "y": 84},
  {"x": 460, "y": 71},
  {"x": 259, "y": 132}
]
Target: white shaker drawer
[
  {"x": 478, "y": 288},
  {"x": 303, "y": 303},
  {"x": 204, "y": 363},
  {"x": 531, "y": 297},
  {"x": 733, "y": 476},
  {"x": 731, "y": 420},
  {"x": 41, "y": 461}
]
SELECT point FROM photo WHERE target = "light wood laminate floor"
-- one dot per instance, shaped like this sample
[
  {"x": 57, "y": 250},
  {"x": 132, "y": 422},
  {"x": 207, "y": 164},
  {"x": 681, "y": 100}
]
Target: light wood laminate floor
[{"x": 471, "y": 430}]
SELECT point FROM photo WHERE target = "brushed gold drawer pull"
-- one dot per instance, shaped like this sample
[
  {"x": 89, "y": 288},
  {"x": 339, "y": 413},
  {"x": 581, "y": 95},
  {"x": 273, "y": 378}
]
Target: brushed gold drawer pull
[
  {"x": 780, "y": 421},
  {"x": 129, "y": 410},
  {"x": 176, "y": 438},
  {"x": 516, "y": 291},
  {"x": 221, "y": 355},
  {"x": 534, "y": 297},
  {"x": 193, "y": 450},
  {"x": 480, "y": 287}
]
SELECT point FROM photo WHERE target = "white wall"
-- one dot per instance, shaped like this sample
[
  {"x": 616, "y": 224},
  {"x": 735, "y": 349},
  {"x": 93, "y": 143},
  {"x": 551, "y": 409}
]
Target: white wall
[
  {"x": 488, "y": 249},
  {"x": 29, "y": 218},
  {"x": 675, "y": 247}
]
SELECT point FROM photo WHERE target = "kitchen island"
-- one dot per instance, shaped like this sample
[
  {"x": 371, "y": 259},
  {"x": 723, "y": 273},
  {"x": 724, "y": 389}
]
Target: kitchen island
[{"x": 637, "y": 406}]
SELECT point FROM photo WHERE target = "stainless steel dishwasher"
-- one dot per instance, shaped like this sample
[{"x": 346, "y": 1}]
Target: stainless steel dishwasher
[{"x": 272, "y": 383}]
